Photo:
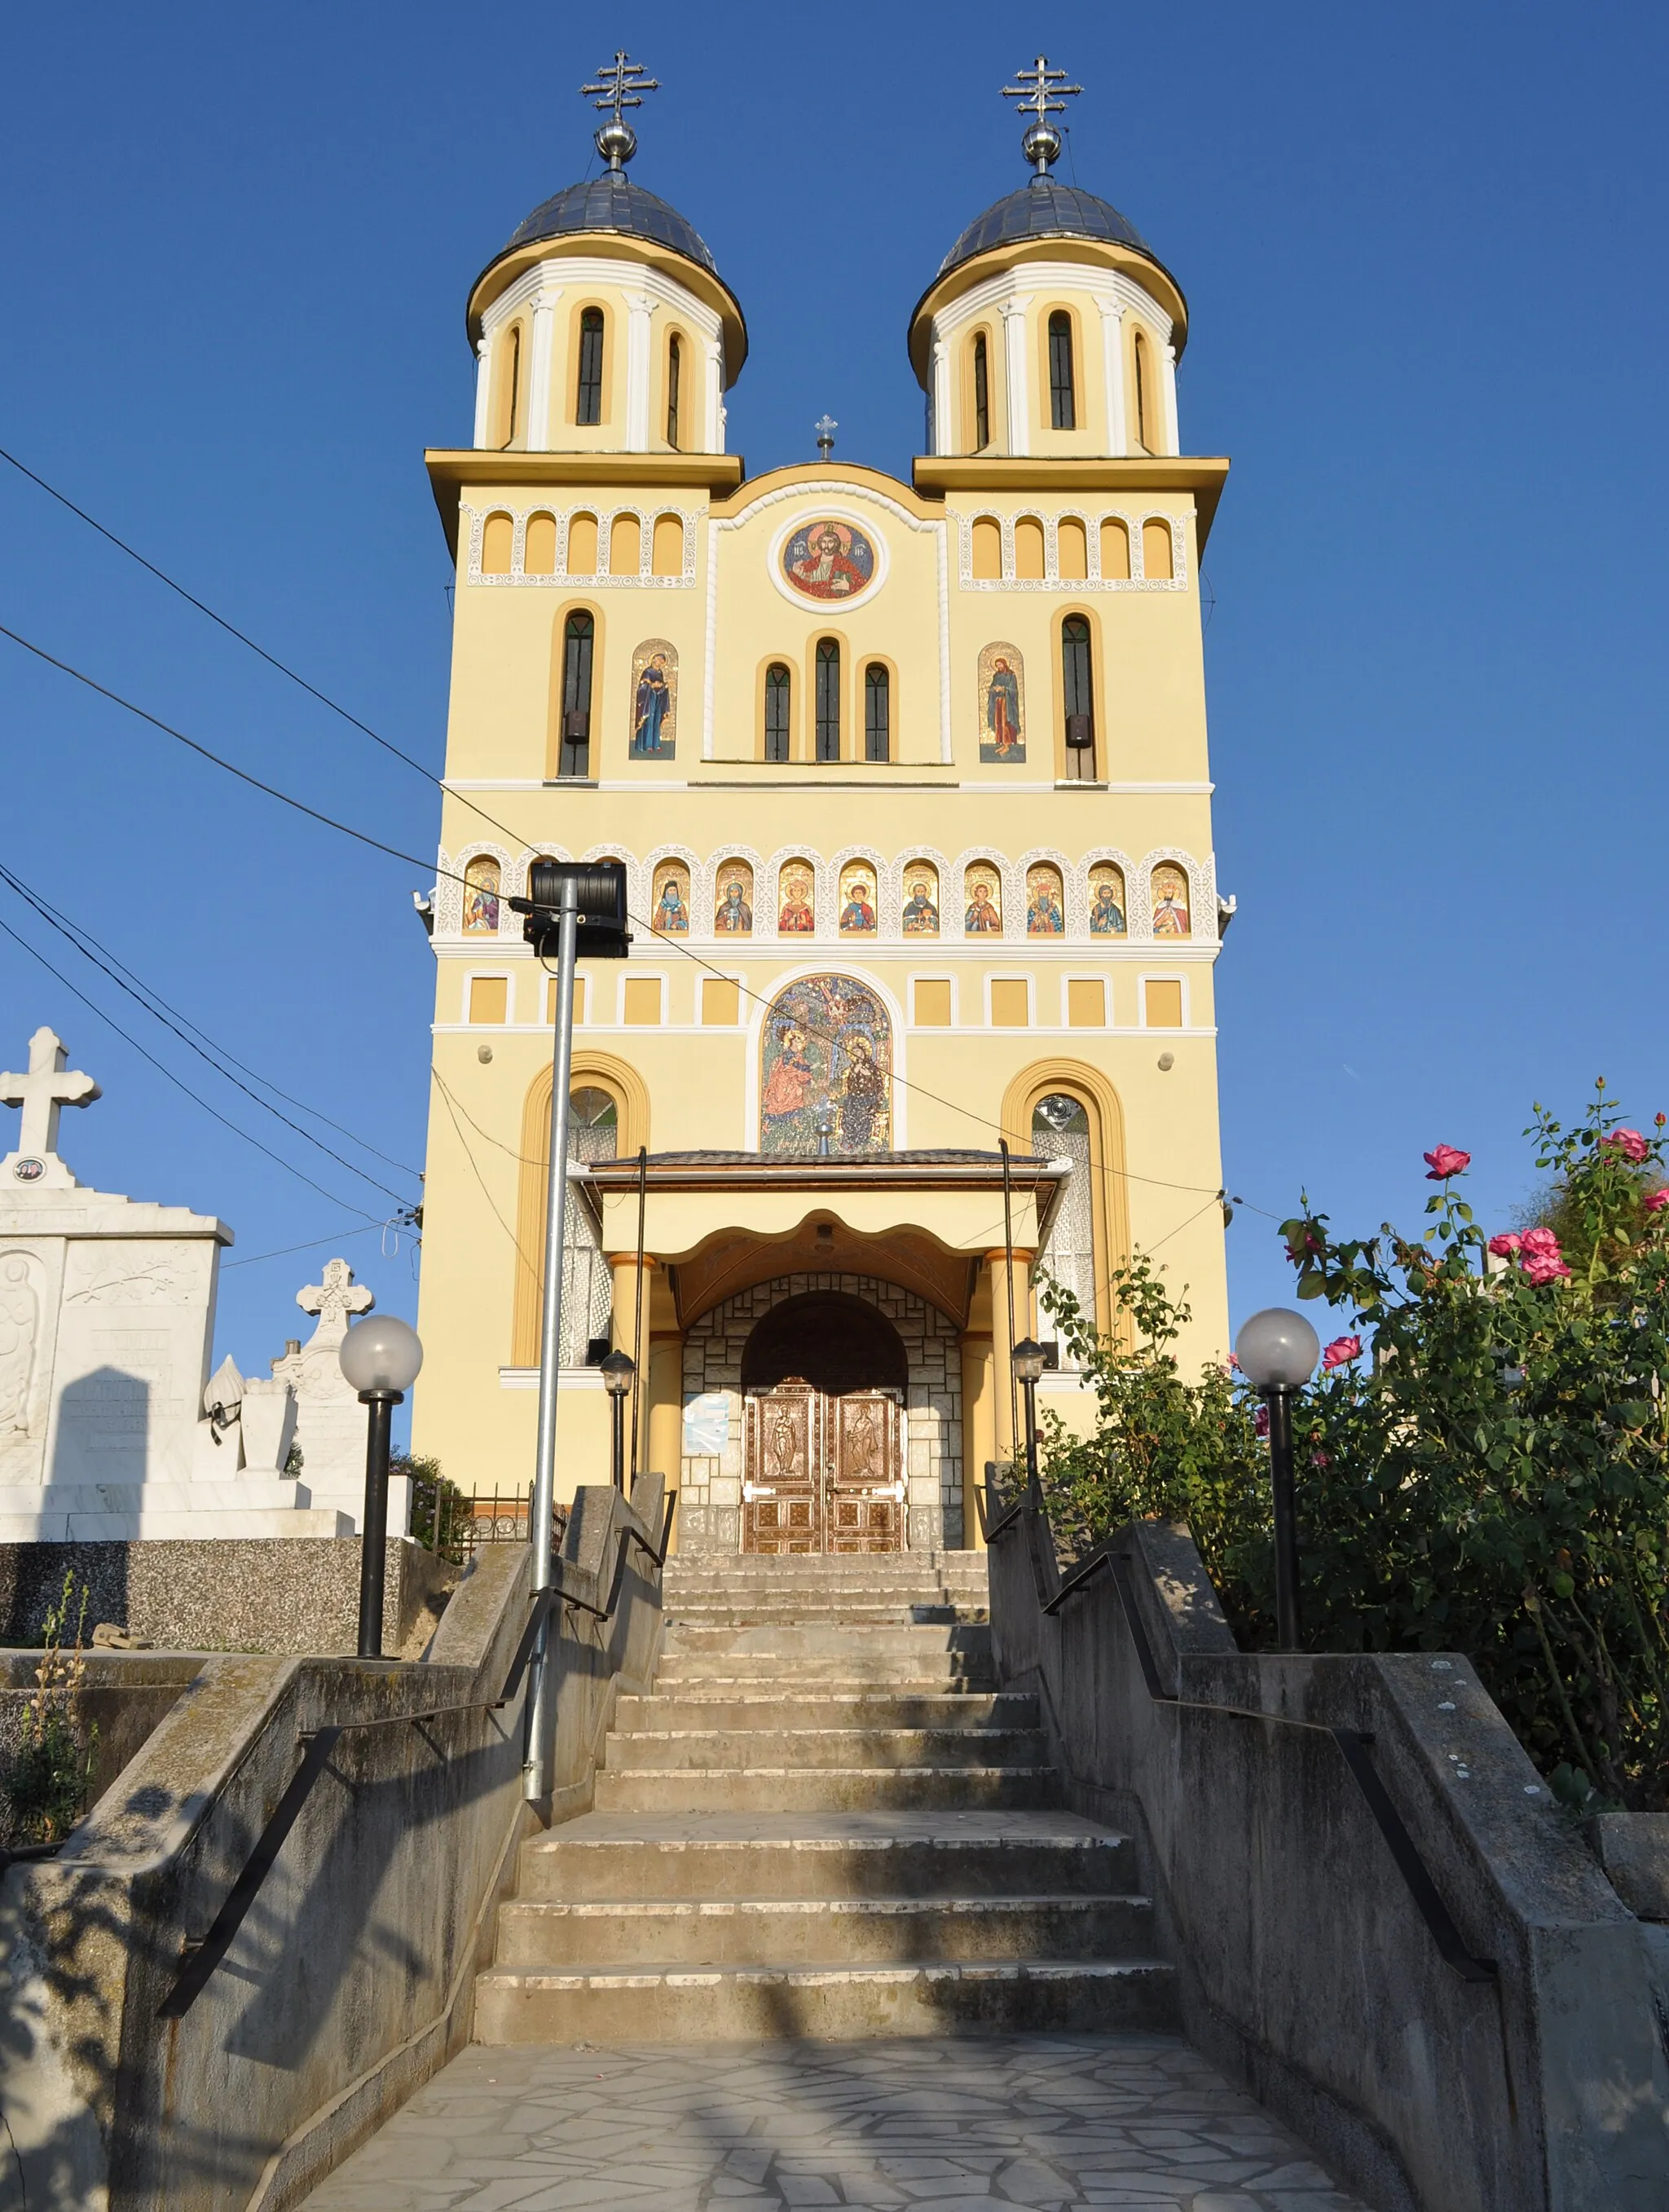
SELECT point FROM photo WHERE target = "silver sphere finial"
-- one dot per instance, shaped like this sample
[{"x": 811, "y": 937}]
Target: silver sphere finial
[
  {"x": 1046, "y": 92},
  {"x": 620, "y": 84}
]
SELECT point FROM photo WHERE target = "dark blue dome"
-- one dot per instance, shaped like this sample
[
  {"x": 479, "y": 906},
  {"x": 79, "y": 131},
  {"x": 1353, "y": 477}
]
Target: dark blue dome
[
  {"x": 613, "y": 202},
  {"x": 1044, "y": 208}
]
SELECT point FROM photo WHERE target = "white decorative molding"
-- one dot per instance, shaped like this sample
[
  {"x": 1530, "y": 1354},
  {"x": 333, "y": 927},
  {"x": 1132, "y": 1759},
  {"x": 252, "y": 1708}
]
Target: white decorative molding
[
  {"x": 1092, "y": 519},
  {"x": 601, "y": 578}
]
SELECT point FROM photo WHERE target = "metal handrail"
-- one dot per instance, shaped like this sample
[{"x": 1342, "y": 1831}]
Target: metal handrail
[
  {"x": 1355, "y": 1746},
  {"x": 203, "y": 1954}
]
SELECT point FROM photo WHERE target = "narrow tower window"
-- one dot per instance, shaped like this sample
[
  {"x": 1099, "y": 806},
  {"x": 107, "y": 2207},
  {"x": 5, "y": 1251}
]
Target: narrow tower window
[
  {"x": 1143, "y": 403},
  {"x": 776, "y": 712},
  {"x": 588, "y": 398},
  {"x": 981, "y": 394},
  {"x": 1063, "y": 411},
  {"x": 512, "y": 383},
  {"x": 674, "y": 369},
  {"x": 877, "y": 712},
  {"x": 579, "y": 636},
  {"x": 829, "y": 699},
  {"x": 1078, "y": 697}
]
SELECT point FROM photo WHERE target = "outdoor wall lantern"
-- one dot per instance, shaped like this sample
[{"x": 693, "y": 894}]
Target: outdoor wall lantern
[
  {"x": 380, "y": 1356},
  {"x": 1277, "y": 1352},
  {"x": 1029, "y": 1359}
]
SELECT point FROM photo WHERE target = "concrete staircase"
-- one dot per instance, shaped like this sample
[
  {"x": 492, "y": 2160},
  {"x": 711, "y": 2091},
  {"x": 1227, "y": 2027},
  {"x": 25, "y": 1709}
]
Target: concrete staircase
[{"x": 825, "y": 1822}]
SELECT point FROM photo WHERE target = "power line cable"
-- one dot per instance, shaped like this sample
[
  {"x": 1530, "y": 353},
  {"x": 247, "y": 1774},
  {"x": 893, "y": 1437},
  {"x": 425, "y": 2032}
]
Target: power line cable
[
  {"x": 20, "y": 890},
  {"x": 213, "y": 1112},
  {"x": 335, "y": 1236},
  {"x": 394, "y": 852}
]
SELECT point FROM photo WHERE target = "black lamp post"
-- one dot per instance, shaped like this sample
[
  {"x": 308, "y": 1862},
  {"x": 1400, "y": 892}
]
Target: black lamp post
[
  {"x": 617, "y": 1370},
  {"x": 380, "y": 1356},
  {"x": 1027, "y": 1360},
  {"x": 1278, "y": 1351}
]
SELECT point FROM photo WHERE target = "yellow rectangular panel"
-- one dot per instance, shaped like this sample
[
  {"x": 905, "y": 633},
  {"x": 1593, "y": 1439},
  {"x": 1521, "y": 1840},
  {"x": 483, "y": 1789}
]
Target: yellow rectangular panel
[
  {"x": 1086, "y": 1003},
  {"x": 643, "y": 1001},
  {"x": 550, "y": 999},
  {"x": 1010, "y": 1006},
  {"x": 1164, "y": 1006},
  {"x": 489, "y": 998},
  {"x": 932, "y": 1002},
  {"x": 721, "y": 1002}
]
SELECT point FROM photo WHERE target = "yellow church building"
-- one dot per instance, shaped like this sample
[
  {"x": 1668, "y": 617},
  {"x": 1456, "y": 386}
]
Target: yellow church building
[{"x": 910, "y": 783}]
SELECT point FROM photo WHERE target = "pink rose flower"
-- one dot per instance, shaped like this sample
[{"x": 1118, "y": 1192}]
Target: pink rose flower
[
  {"x": 1629, "y": 1142},
  {"x": 1657, "y": 1199},
  {"x": 1506, "y": 1244},
  {"x": 1444, "y": 1162},
  {"x": 1260, "y": 1421},
  {"x": 1341, "y": 1352},
  {"x": 1540, "y": 1255}
]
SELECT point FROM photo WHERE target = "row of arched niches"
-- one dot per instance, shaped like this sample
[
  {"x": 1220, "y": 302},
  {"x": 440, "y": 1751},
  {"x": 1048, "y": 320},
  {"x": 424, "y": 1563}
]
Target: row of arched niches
[{"x": 795, "y": 896}]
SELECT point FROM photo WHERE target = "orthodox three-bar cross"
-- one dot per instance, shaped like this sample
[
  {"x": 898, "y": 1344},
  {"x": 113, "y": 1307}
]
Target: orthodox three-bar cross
[
  {"x": 1042, "y": 89},
  {"x": 44, "y": 1092},
  {"x": 619, "y": 85}
]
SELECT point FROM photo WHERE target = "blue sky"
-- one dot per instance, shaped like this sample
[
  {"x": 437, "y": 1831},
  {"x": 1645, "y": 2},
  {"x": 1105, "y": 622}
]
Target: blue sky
[{"x": 1423, "y": 249}]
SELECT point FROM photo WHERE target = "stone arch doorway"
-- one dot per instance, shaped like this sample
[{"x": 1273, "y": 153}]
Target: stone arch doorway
[{"x": 824, "y": 1379}]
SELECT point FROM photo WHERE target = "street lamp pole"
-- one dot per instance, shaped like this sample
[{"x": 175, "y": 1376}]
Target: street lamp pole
[
  {"x": 379, "y": 1357},
  {"x": 1277, "y": 1351},
  {"x": 617, "y": 1370}
]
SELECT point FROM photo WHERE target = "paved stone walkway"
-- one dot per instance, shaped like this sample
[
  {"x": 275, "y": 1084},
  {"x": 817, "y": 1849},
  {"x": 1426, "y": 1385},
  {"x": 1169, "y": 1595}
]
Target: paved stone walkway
[{"x": 1139, "y": 2121}]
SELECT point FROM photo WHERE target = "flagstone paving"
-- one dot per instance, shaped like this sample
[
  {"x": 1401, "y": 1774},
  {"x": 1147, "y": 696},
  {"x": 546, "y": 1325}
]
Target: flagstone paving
[{"x": 1140, "y": 2122}]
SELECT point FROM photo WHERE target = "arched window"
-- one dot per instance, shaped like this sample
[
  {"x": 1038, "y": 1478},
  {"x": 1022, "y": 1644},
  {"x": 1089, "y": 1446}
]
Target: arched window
[
  {"x": 829, "y": 699},
  {"x": 512, "y": 385},
  {"x": 877, "y": 712},
  {"x": 1060, "y": 1130},
  {"x": 674, "y": 378},
  {"x": 981, "y": 393},
  {"x": 588, "y": 394},
  {"x": 1144, "y": 437},
  {"x": 777, "y": 696},
  {"x": 1063, "y": 404},
  {"x": 593, "y": 1134},
  {"x": 579, "y": 638},
  {"x": 1077, "y": 694}
]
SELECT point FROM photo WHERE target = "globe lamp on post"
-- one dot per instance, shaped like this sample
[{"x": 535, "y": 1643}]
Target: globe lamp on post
[
  {"x": 380, "y": 1356},
  {"x": 1027, "y": 1361},
  {"x": 1277, "y": 1352},
  {"x": 617, "y": 1370}
]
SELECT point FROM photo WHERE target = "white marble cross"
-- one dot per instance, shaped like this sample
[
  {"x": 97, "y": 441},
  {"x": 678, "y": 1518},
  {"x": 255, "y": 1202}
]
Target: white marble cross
[
  {"x": 44, "y": 1092},
  {"x": 334, "y": 1299}
]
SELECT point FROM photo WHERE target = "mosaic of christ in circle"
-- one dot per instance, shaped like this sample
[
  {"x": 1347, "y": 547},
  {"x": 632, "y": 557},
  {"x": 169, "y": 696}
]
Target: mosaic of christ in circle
[{"x": 827, "y": 560}]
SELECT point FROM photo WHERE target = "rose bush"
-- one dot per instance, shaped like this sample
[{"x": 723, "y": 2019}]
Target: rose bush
[{"x": 1493, "y": 1479}]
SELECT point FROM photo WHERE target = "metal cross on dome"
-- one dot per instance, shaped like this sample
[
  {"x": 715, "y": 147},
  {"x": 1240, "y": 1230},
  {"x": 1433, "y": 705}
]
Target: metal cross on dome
[
  {"x": 620, "y": 84},
  {"x": 1046, "y": 92}
]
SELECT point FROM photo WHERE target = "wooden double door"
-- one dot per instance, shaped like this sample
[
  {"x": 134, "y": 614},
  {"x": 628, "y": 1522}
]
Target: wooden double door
[{"x": 822, "y": 1473}]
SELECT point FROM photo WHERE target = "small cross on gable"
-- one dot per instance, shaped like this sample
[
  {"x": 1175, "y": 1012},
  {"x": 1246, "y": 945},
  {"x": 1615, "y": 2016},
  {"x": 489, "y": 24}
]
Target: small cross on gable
[{"x": 48, "y": 1087}]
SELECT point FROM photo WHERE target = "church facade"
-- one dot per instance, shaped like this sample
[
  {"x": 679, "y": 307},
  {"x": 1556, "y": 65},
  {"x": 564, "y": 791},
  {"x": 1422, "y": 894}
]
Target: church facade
[{"x": 910, "y": 781}]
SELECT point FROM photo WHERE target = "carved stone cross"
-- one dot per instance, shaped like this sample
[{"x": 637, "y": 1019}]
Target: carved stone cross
[
  {"x": 334, "y": 1299},
  {"x": 43, "y": 1093}
]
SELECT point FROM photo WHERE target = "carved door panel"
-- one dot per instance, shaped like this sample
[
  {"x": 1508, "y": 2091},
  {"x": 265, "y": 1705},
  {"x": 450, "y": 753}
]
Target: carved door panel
[
  {"x": 782, "y": 1494},
  {"x": 865, "y": 1472}
]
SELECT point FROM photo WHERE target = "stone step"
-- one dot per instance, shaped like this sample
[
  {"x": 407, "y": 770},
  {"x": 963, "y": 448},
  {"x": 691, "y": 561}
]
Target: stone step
[
  {"x": 793, "y": 1707},
  {"x": 721, "y": 1677},
  {"x": 702, "y": 2004},
  {"x": 822, "y": 1789},
  {"x": 743, "y": 1615},
  {"x": 867, "y": 1931},
  {"x": 586, "y": 1863},
  {"x": 749, "y": 1749},
  {"x": 897, "y": 1643}
]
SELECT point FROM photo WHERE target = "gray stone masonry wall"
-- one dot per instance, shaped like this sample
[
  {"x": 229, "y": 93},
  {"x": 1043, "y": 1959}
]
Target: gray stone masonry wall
[
  {"x": 1307, "y": 1971},
  {"x": 297, "y": 1595},
  {"x": 710, "y": 1501}
]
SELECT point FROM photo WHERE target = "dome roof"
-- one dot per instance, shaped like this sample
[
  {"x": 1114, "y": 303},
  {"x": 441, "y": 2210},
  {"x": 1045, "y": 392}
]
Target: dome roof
[
  {"x": 1044, "y": 208},
  {"x": 613, "y": 202}
]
